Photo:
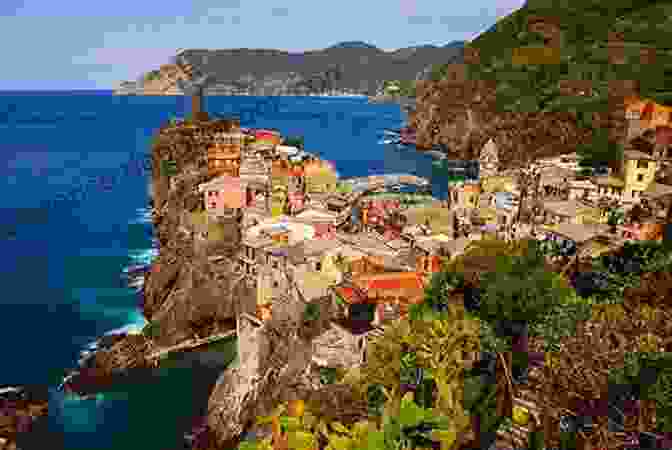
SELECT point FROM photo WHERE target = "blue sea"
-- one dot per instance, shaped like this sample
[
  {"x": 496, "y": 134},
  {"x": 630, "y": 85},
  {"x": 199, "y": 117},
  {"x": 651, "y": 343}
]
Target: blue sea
[{"x": 74, "y": 195}]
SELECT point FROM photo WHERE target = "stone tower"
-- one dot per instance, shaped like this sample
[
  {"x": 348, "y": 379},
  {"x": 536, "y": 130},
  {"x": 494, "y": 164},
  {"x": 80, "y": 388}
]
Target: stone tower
[{"x": 489, "y": 159}]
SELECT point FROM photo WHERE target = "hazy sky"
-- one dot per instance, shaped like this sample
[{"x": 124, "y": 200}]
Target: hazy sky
[{"x": 84, "y": 44}]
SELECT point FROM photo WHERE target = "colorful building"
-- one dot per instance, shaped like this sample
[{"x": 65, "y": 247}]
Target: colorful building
[
  {"x": 224, "y": 194},
  {"x": 270, "y": 137},
  {"x": 639, "y": 170},
  {"x": 388, "y": 295},
  {"x": 224, "y": 159},
  {"x": 320, "y": 177}
]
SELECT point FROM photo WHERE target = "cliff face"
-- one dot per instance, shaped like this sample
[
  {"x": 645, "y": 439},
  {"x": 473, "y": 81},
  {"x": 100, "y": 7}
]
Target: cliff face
[
  {"x": 186, "y": 294},
  {"x": 535, "y": 103},
  {"x": 464, "y": 116}
]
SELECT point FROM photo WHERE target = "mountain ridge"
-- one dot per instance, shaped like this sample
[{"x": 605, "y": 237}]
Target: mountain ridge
[{"x": 348, "y": 66}]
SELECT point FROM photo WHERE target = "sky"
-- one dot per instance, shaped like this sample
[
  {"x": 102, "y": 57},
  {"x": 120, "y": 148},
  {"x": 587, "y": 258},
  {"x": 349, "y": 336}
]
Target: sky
[{"x": 83, "y": 44}]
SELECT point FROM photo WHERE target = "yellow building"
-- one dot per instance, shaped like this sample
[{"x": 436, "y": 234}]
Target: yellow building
[
  {"x": 320, "y": 177},
  {"x": 278, "y": 200},
  {"x": 639, "y": 170},
  {"x": 466, "y": 196},
  {"x": 499, "y": 183}
]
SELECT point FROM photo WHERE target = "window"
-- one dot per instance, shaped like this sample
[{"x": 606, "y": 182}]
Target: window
[
  {"x": 640, "y": 177},
  {"x": 641, "y": 164},
  {"x": 318, "y": 266},
  {"x": 275, "y": 264},
  {"x": 275, "y": 283}
]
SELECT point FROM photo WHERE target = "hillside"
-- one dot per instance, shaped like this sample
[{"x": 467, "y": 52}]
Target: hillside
[
  {"x": 544, "y": 78},
  {"x": 353, "y": 66}
]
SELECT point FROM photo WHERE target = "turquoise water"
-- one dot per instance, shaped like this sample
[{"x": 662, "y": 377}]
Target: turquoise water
[{"x": 74, "y": 196}]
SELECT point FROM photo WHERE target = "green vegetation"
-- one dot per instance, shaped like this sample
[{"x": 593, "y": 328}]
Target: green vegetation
[
  {"x": 638, "y": 371},
  {"x": 294, "y": 141},
  {"x": 151, "y": 330},
  {"x": 404, "y": 88},
  {"x": 584, "y": 33},
  {"x": 169, "y": 168},
  {"x": 153, "y": 75},
  {"x": 522, "y": 289},
  {"x": 312, "y": 312}
]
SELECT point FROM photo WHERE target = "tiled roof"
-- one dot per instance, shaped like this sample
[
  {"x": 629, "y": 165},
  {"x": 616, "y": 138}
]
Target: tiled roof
[
  {"x": 577, "y": 232},
  {"x": 392, "y": 281},
  {"x": 318, "y": 246},
  {"x": 567, "y": 208},
  {"x": 349, "y": 294}
]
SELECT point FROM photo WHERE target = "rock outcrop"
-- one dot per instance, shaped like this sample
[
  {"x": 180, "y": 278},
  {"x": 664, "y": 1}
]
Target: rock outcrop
[
  {"x": 20, "y": 407},
  {"x": 186, "y": 295}
]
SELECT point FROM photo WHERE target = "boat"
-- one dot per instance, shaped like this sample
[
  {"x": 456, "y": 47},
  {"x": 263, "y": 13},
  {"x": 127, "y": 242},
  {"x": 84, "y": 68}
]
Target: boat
[{"x": 136, "y": 269}]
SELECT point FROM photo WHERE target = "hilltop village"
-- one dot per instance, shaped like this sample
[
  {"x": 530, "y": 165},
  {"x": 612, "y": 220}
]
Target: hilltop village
[
  {"x": 297, "y": 230},
  {"x": 256, "y": 232},
  {"x": 344, "y": 257}
]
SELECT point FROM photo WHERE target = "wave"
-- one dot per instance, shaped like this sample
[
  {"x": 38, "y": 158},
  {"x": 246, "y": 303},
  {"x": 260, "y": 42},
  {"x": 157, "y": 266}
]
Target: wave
[{"x": 144, "y": 216}]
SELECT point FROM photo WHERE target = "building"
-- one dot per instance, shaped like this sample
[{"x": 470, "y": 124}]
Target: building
[
  {"x": 320, "y": 177},
  {"x": 489, "y": 160},
  {"x": 465, "y": 198},
  {"x": 224, "y": 159},
  {"x": 379, "y": 298},
  {"x": 570, "y": 212},
  {"x": 323, "y": 222},
  {"x": 269, "y": 137},
  {"x": 638, "y": 172},
  {"x": 223, "y": 196},
  {"x": 256, "y": 174}
]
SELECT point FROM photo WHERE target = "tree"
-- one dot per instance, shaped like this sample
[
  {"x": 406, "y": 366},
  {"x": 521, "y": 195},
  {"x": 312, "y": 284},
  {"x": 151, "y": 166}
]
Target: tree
[
  {"x": 601, "y": 151},
  {"x": 519, "y": 293}
]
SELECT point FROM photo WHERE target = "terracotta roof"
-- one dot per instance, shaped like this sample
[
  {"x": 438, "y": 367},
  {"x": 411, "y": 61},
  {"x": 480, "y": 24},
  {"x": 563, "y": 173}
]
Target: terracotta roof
[
  {"x": 349, "y": 294},
  {"x": 392, "y": 281},
  {"x": 471, "y": 188}
]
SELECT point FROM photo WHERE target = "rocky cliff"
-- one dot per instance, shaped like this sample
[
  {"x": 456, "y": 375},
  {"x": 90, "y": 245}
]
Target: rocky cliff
[
  {"x": 543, "y": 81},
  {"x": 186, "y": 294},
  {"x": 22, "y": 412},
  {"x": 193, "y": 291}
]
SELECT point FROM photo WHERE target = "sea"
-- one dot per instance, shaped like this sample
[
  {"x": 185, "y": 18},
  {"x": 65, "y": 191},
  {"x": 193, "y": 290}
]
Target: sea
[{"x": 74, "y": 215}]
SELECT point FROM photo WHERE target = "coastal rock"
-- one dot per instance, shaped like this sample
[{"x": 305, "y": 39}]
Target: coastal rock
[
  {"x": 274, "y": 366},
  {"x": 20, "y": 407}
]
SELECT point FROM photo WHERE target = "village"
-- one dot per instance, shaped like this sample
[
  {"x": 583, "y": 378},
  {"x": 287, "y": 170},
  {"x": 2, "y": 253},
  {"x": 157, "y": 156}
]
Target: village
[{"x": 367, "y": 247}]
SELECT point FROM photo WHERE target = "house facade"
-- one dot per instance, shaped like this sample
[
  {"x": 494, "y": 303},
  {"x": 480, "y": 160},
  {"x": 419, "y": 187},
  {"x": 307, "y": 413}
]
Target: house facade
[
  {"x": 639, "y": 170},
  {"x": 225, "y": 195},
  {"x": 224, "y": 159},
  {"x": 320, "y": 177},
  {"x": 489, "y": 160}
]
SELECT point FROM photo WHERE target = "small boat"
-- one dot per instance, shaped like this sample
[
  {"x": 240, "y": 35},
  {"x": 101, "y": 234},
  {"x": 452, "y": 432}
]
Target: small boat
[{"x": 136, "y": 269}]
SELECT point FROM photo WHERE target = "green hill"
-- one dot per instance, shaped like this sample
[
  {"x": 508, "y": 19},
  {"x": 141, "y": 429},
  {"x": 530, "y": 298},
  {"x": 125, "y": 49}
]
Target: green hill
[{"x": 589, "y": 34}]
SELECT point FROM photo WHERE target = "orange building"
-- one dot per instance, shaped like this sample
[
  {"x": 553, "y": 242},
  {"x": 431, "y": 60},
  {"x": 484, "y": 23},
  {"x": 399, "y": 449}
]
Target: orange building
[
  {"x": 224, "y": 159},
  {"x": 389, "y": 294}
]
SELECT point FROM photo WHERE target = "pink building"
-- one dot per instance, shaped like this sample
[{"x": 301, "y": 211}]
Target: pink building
[
  {"x": 296, "y": 201},
  {"x": 223, "y": 194}
]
